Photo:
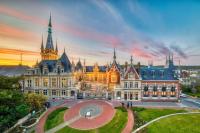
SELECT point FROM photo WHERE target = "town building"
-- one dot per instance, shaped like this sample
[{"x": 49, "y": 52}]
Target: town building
[
  {"x": 52, "y": 76},
  {"x": 97, "y": 81},
  {"x": 160, "y": 83},
  {"x": 130, "y": 85},
  {"x": 57, "y": 77}
]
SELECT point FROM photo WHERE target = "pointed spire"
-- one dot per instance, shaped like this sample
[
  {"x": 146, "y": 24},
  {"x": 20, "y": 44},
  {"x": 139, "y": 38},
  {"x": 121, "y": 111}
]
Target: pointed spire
[
  {"x": 114, "y": 56},
  {"x": 131, "y": 60},
  {"x": 49, "y": 25},
  {"x": 42, "y": 46},
  {"x": 64, "y": 49},
  {"x": 50, "y": 21},
  {"x": 56, "y": 46},
  {"x": 49, "y": 43}
]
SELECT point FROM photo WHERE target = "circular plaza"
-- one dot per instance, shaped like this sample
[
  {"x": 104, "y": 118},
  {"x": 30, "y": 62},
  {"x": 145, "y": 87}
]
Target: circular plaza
[{"x": 89, "y": 114}]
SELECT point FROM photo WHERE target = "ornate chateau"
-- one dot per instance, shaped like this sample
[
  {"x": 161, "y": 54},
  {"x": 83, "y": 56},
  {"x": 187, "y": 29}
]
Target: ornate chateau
[{"x": 57, "y": 77}]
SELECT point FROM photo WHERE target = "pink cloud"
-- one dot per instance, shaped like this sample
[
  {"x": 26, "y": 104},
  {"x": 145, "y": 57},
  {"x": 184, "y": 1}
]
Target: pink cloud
[
  {"x": 9, "y": 31},
  {"x": 15, "y": 13},
  {"x": 108, "y": 40}
]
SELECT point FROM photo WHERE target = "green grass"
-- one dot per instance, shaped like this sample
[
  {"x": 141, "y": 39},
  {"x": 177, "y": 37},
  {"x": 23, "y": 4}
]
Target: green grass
[
  {"x": 193, "y": 94},
  {"x": 116, "y": 125},
  {"x": 144, "y": 115},
  {"x": 188, "y": 123},
  {"x": 55, "y": 118}
]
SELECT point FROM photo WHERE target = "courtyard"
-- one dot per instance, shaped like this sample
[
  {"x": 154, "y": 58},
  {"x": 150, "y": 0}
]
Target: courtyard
[{"x": 92, "y": 116}]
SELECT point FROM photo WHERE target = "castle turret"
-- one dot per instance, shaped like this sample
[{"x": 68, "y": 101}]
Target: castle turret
[{"x": 49, "y": 53}]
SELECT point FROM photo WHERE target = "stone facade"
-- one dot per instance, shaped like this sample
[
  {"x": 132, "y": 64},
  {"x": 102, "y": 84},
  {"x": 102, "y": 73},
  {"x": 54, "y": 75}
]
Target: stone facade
[{"x": 57, "y": 77}]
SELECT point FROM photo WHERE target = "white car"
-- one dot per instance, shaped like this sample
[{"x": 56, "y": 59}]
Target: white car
[{"x": 183, "y": 95}]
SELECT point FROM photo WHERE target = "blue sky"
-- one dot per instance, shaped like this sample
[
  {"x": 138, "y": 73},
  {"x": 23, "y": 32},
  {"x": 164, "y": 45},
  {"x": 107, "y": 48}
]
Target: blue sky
[{"x": 90, "y": 29}]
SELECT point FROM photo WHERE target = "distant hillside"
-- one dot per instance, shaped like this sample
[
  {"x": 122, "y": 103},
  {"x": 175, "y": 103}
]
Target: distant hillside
[{"x": 12, "y": 70}]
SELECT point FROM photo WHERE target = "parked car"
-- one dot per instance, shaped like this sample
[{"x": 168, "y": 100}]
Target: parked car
[{"x": 183, "y": 95}]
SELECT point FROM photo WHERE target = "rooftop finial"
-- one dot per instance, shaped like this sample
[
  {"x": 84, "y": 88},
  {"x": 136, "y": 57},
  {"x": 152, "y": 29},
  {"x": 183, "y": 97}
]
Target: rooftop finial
[
  {"x": 64, "y": 49},
  {"x": 42, "y": 46},
  {"x": 114, "y": 56},
  {"x": 56, "y": 46},
  {"x": 131, "y": 60},
  {"x": 50, "y": 20}
]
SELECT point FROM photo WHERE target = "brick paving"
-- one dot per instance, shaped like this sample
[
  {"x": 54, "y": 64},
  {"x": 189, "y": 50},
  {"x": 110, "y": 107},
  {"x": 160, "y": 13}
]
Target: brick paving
[{"x": 84, "y": 123}]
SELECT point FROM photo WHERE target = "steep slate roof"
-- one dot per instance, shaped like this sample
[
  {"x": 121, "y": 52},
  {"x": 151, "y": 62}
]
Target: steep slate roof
[
  {"x": 79, "y": 66},
  {"x": 130, "y": 69},
  {"x": 51, "y": 64},
  {"x": 160, "y": 73},
  {"x": 65, "y": 62}
]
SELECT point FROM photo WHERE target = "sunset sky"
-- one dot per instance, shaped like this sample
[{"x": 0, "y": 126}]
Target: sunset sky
[{"x": 90, "y": 29}]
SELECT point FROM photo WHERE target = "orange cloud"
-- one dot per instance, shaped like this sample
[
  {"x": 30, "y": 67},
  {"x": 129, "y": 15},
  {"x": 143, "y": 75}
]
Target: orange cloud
[
  {"x": 15, "y": 58},
  {"x": 15, "y": 62},
  {"x": 18, "y": 52}
]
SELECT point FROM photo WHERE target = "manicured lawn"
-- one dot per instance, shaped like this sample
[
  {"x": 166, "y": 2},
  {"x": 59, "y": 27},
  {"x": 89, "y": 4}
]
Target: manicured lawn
[
  {"x": 144, "y": 115},
  {"x": 116, "y": 125},
  {"x": 193, "y": 94},
  {"x": 188, "y": 123},
  {"x": 55, "y": 118}
]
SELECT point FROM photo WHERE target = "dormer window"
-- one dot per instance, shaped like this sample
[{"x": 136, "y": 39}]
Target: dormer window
[
  {"x": 58, "y": 69},
  {"x": 45, "y": 71},
  {"x": 130, "y": 75}
]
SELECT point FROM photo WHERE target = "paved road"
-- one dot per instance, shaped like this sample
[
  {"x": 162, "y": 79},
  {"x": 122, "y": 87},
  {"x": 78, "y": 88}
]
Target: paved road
[
  {"x": 184, "y": 102},
  {"x": 191, "y": 102}
]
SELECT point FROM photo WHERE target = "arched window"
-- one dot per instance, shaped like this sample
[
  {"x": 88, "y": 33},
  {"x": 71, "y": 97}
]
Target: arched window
[
  {"x": 164, "y": 91},
  {"x": 119, "y": 94},
  {"x": 72, "y": 93},
  {"x": 173, "y": 93},
  {"x": 155, "y": 93},
  {"x": 146, "y": 92}
]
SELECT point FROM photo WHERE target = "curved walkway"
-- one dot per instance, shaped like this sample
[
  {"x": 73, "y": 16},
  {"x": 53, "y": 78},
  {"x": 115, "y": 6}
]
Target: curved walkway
[
  {"x": 145, "y": 125},
  {"x": 130, "y": 122},
  {"x": 40, "y": 125}
]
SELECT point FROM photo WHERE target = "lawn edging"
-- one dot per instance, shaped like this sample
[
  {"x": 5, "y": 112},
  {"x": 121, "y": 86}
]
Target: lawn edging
[{"x": 148, "y": 123}]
